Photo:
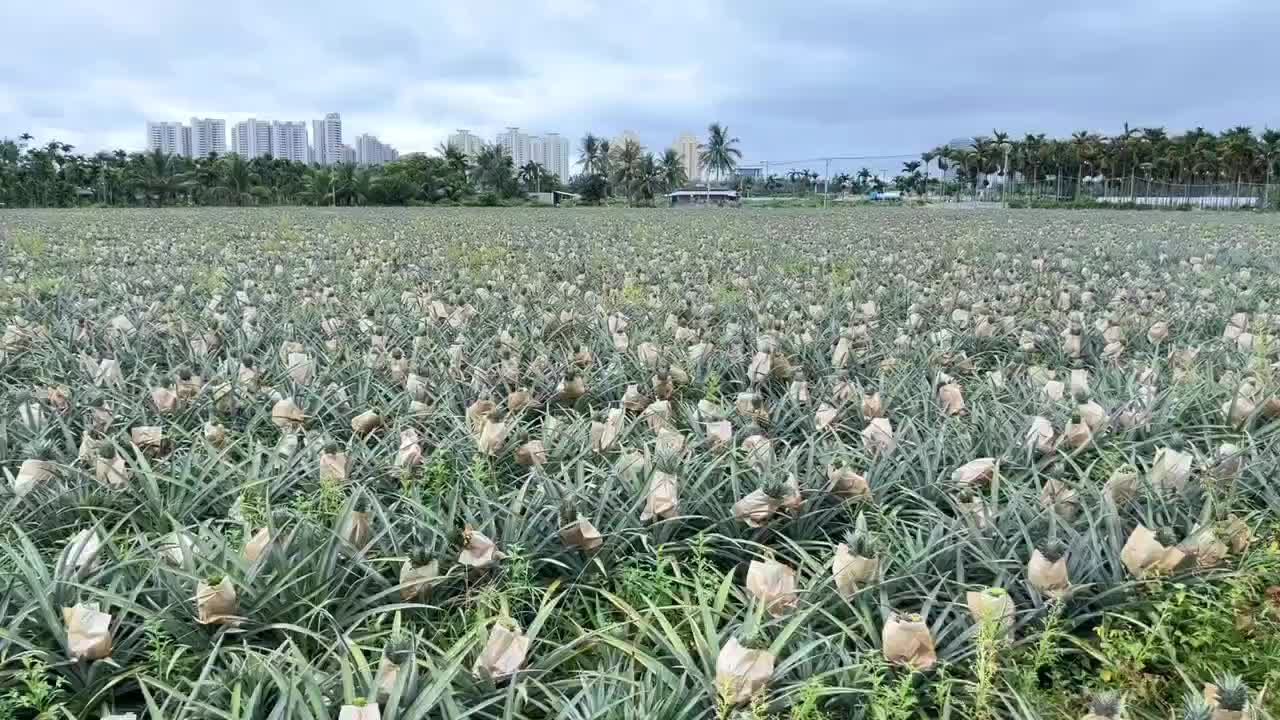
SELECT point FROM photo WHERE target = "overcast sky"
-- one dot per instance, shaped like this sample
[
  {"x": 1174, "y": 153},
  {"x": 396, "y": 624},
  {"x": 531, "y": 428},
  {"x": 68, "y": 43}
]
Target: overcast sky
[{"x": 791, "y": 79}]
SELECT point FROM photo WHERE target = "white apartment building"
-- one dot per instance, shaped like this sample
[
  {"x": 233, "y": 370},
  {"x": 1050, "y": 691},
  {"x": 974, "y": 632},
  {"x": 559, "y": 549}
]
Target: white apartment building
[
  {"x": 315, "y": 152},
  {"x": 371, "y": 151},
  {"x": 345, "y": 154},
  {"x": 289, "y": 140},
  {"x": 686, "y": 146},
  {"x": 168, "y": 138},
  {"x": 555, "y": 155},
  {"x": 333, "y": 139},
  {"x": 464, "y": 141},
  {"x": 251, "y": 138},
  {"x": 516, "y": 144},
  {"x": 551, "y": 151},
  {"x": 208, "y": 135}
]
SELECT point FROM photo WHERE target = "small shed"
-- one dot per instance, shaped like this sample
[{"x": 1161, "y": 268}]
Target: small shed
[{"x": 703, "y": 197}]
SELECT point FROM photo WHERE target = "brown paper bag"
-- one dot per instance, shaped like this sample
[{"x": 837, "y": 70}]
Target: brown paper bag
[
  {"x": 531, "y": 453},
  {"x": 148, "y": 437},
  {"x": 478, "y": 551},
  {"x": 951, "y": 397},
  {"x": 88, "y": 632},
  {"x": 1144, "y": 555},
  {"x": 409, "y": 454},
  {"x": 756, "y": 508},
  {"x": 992, "y": 604},
  {"x": 257, "y": 545},
  {"x": 906, "y": 640},
  {"x": 774, "y": 585},
  {"x": 741, "y": 673},
  {"x": 217, "y": 603},
  {"x": 878, "y": 436},
  {"x": 164, "y": 400},
  {"x": 32, "y": 472},
  {"x": 1040, "y": 437},
  {"x": 286, "y": 415},
  {"x": 1049, "y": 577},
  {"x": 852, "y": 571},
  {"x": 365, "y": 423},
  {"x": 417, "y": 581},
  {"x": 333, "y": 467},
  {"x": 1170, "y": 470},
  {"x": 975, "y": 472},
  {"x": 581, "y": 534},
  {"x": 662, "y": 499},
  {"x": 355, "y": 529},
  {"x": 111, "y": 471},
  {"x": 503, "y": 654},
  {"x": 846, "y": 483}
]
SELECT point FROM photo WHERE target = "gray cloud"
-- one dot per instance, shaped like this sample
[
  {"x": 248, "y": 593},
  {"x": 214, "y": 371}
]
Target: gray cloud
[{"x": 793, "y": 81}]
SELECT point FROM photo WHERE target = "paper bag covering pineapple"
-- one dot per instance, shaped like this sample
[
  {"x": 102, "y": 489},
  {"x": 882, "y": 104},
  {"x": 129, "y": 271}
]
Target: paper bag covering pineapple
[
  {"x": 504, "y": 651},
  {"x": 906, "y": 640},
  {"x": 743, "y": 670}
]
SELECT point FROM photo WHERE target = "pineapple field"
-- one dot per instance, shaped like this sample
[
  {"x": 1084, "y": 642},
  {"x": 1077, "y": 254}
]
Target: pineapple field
[{"x": 882, "y": 463}]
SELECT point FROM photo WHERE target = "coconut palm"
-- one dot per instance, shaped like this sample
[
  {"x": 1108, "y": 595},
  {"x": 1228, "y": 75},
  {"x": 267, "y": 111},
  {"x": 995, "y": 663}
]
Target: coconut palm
[
  {"x": 237, "y": 180},
  {"x": 531, "y": 174},
  {"x": 673, "y": 171},
  {"x": 719, "y": 154},
  {"x": 157, "y": 176}
]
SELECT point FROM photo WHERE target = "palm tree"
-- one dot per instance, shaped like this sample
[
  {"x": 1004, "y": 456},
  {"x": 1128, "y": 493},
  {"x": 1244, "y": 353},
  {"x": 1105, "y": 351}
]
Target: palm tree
[
  {"x": 720, "y": 154},
  {"x": 863, "y": 176},
  {"x": 157, "y": 176},
  {"x": 237, "y": 180},
  {"x": 673, "y": 171},
  {"x": 531, "y": 174},
  {"x": 493, "y": 169},
  {"x": 627, "y": 173},
  {"x": 589, "y": 155}
]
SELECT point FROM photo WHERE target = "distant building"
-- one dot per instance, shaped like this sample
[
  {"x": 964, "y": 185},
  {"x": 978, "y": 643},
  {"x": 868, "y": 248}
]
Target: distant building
[
  {"x": 550, "y": 150},
  {"x": 208, "y": 135},
  {"x": 749, "y": 171},
  {"x": 555, "y": 155},
  {"x": 686, "y": 146},
  {"x": 289, "y": 140},
  {"x": 185, "y": 141},
  {"x": 371, "y": 151},
  {"x": 465, "y": 142},
  {"x": 326, "y": 140},
  {"x": 703, "y": 197},
  {"x": 251, "y": 138},
  {"x": 516, "y": 144},
  {"x": 345, "y": 154},
  {"x": 315, "y": 153},
  {"x": 168, "y": 138}
]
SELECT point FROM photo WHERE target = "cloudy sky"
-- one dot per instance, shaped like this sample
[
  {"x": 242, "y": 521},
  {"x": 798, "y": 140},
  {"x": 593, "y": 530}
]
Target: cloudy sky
[{"x": 792, "y": 80}]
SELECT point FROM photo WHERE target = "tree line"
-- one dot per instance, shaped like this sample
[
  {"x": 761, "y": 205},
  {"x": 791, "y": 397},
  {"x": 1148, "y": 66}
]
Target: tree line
[
  {"x": 53, "y": 174},
  {"x": 1197, "y": 156}
]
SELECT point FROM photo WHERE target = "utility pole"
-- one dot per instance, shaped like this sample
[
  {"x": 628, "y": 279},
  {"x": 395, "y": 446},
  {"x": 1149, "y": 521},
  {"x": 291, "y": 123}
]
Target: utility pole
[{"x": 826, "y": 183}]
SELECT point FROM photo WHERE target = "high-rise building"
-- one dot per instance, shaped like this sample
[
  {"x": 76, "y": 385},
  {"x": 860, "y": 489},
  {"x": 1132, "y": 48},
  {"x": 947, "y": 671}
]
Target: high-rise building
[
  {"x": 555, "y": 155},
  {"x": 345, "y": 154},
  {"x": 251, "y": 138},
  {"x": 371, "y": 151},
  {"x": 289, "y": 140},
  {"x": 185, "y": 141},
  {"x": 464, "y": 141},
  {"x": 333, "y": 139},
  {"x": 167, "y": 137},
  {"x": 516, "y": 144},
  {"x": 208, "y": 135},
  {"x": 315, "y": 153},
  {"x": 686, "y": 146}
]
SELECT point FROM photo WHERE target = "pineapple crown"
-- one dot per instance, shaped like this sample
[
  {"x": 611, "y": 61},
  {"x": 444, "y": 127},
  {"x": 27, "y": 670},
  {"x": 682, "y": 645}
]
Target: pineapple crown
[
  {"x": 421, "y": 556},
  {"x": 861, "y": 543},
  {"x": 1195, "y": 707},
  {"x": 331, "y": 447},
  {"x": 397, "y": 354},
  {"x": 1177, "y": 442},
  {"x": 399, "y": 647},
  {"x": 1053, "y": 549},
  {"x": 247, "y": 361},
  {"x": 40, "y": 449},
  {"x": 1233, "y": 694},
  {"x": 775, "y": 487},
  {"x": 1106, "y": 703},
  {"x": 752, "y": 637},
  {"x": 106, "y": 451},
  {"x": 184, "y": 373},
  {"x": 1166, "y": 537},
  {"x": 568, "y": 511}
]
